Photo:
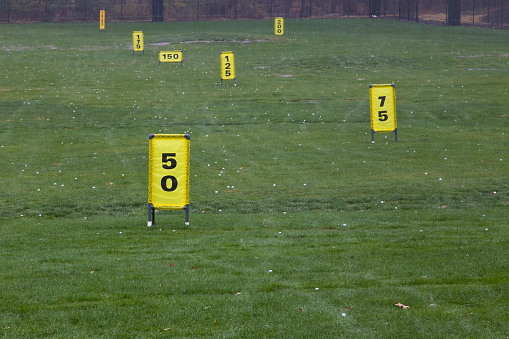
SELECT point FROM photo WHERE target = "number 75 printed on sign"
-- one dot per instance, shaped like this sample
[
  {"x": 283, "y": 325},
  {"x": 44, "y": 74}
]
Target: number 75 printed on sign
[{"x": 383, "y": 110}]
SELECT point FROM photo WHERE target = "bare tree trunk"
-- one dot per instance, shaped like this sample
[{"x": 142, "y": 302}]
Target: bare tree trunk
[
  {"x": 157, "y": 10},
  {"x": 454, "y": 12}
]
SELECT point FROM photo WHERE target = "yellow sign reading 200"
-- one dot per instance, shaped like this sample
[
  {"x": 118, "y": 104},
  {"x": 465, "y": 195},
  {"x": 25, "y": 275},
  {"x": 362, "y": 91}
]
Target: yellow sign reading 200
[
  {"x": 138, "y": 41},
  {"x": 168, "y": 185},
  {"x": 279, "y": 26},
  {"x": 383, "y": 109}
]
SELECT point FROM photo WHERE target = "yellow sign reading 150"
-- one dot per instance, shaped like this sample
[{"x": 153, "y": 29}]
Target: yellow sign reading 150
[{"x": 170, "y": 56}]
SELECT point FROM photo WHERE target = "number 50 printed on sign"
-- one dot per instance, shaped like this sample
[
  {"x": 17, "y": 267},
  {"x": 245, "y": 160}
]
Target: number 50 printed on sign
[
  {"x": 383, "y": 110},
  {"x": 168, "y": 184}
]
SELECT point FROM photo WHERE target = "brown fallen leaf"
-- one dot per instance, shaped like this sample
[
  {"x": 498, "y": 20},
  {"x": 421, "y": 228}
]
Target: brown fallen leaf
[{"x": 402, "y": 306}]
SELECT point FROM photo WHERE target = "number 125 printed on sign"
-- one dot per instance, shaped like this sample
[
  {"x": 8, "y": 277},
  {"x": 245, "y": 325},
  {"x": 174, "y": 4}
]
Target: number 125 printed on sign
[{"x": 227, "y": 67}]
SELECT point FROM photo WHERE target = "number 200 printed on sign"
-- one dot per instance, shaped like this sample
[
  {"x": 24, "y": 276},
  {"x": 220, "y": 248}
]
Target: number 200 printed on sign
[
  {"x": 169, "y": 171},
  {"x": 279, "y": 26}
]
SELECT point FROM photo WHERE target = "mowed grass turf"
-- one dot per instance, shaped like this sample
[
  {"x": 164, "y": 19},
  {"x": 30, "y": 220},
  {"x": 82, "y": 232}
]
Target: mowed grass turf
[{"x": 300, "y": 226}]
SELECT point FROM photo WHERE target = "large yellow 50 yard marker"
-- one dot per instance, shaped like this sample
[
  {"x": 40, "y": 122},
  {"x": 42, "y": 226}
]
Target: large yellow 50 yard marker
[{"x": 168, "y": 184}]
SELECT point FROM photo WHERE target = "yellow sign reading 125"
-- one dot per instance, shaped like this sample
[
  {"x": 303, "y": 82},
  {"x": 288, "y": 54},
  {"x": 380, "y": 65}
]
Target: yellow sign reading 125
[
  {"x": 383, "y": 109},
  {"x": 227, "y": 66},
  {"x": 279, "y": 26},
  {"x": 168, "y": 184},
  {"x": 138, "y": 44}
]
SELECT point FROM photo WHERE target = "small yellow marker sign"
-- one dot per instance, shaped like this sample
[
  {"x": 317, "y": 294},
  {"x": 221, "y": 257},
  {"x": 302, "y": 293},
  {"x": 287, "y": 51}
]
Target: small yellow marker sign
[
  {"x": 227, "y": 67},
  {"x": 138, "y": 44},
  {"x": 383, "y": 109},
  {"x": 279, "y": 26},
  {"x": 102, "y": 19},
  {"x": 170, "y": 56}
]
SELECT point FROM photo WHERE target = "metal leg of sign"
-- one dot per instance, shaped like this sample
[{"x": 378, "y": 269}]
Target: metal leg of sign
[
  {"x": 221, "y": 81},
  {"x": 372, "y": 136},
  {"x": 395, "y": 134},
  {"x": 151, "y": 215},
  {"x": 186, "y": 208},
  {"x": 234, "y": 81}
]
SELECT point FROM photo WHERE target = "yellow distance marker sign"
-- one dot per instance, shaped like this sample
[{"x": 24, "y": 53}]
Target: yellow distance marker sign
[
  {"x": 138, "y": 43},
  {"x": 170, "y": 56},
  {"x": 279, "y": 26},
  {"x": 168, "y": 184},
  {"x": 228, "y": 67},
  {"x": 102, "y": 19},
  {"x": 383, "y": 109}
]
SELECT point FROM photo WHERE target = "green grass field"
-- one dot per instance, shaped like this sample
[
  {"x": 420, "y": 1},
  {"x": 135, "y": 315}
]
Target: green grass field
[{"x": 299, "y": 225}]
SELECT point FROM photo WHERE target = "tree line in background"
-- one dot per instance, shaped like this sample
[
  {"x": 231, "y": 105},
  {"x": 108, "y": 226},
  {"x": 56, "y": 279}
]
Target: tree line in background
[{"x": 452, "y": 12}]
